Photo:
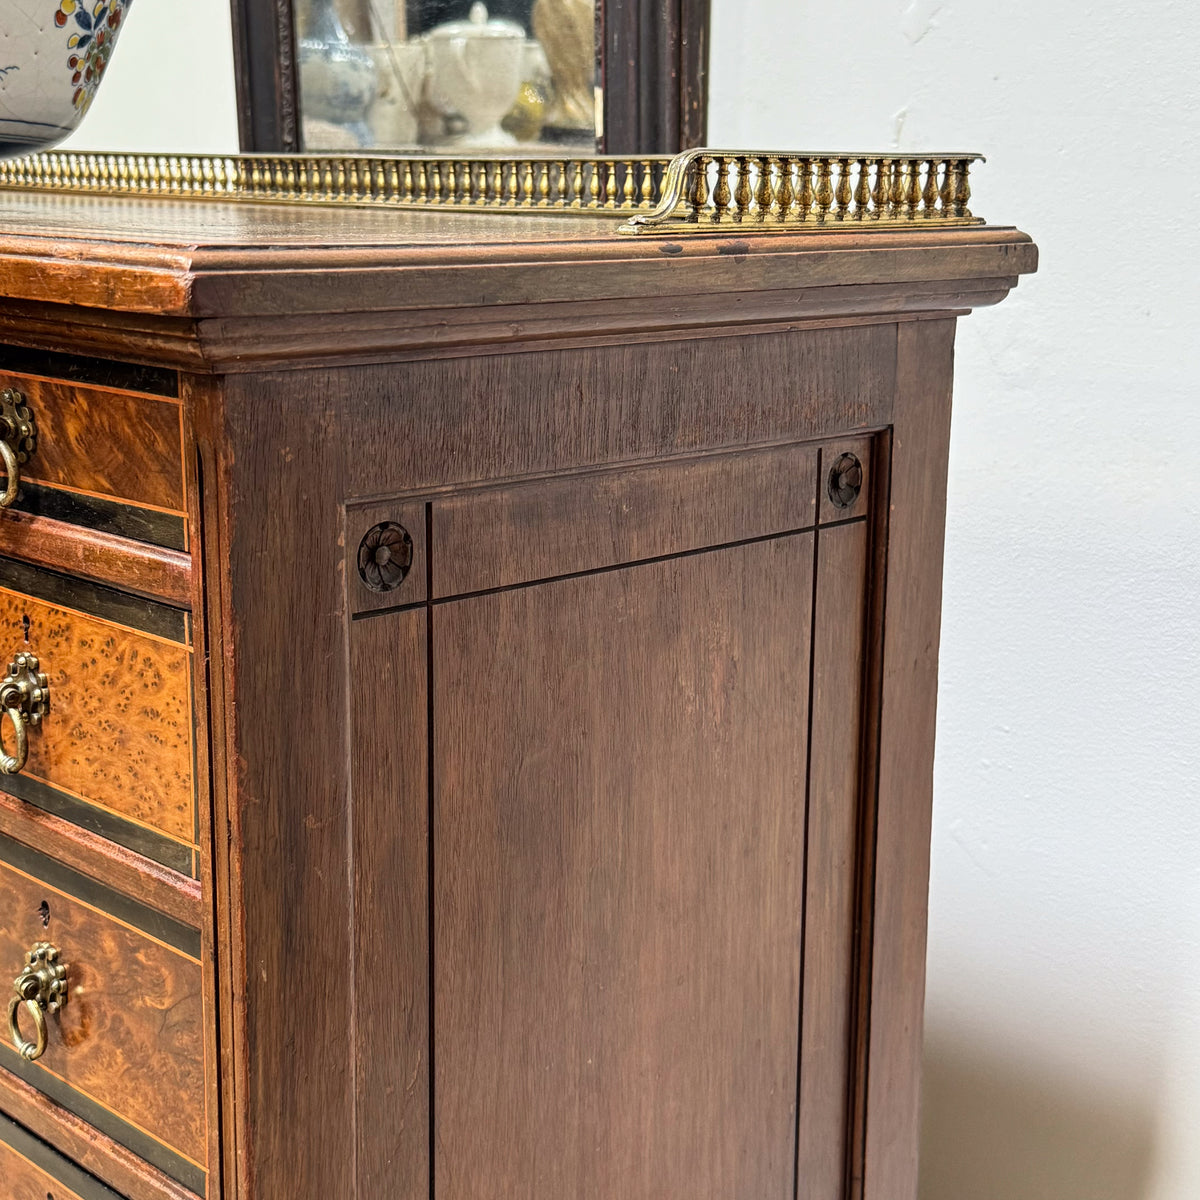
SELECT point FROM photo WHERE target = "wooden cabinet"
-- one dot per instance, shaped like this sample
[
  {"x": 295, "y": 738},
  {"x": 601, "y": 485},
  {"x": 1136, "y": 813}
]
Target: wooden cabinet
[{"x": 491, "y": 668}]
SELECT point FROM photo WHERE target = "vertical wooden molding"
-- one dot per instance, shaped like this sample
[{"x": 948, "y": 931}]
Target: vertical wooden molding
[
  {"x": 912, "y": 621},
  {"x": 264, "y": 55},
  {"x": 693, "y": 73},
  {"x": 654, "y": 66}
]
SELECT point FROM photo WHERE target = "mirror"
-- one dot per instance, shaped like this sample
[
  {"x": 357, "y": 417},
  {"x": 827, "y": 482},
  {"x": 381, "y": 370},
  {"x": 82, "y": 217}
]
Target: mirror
[
  {"x": 471, "y": 76},
  {"x": 447, "y": 76}
]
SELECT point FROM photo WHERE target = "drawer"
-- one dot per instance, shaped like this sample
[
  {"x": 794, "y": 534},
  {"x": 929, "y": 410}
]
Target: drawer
[
  {"x": 105, "y": 457},
  {"x": 125, "y": 1052},
  {"x": 32, "y": 1170},
  {"x": 114, "y": 754}
]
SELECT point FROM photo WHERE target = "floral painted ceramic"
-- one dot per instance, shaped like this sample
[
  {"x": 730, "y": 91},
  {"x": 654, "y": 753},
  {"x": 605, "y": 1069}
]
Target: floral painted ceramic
[{"x": 53, "y": 54}]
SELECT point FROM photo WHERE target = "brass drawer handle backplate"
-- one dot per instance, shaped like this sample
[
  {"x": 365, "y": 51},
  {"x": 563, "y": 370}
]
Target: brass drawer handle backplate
[
  {"x": 40, "y": 988},
  {"x": 25, "y": 700},
  {"x": 18, "y": 437}
]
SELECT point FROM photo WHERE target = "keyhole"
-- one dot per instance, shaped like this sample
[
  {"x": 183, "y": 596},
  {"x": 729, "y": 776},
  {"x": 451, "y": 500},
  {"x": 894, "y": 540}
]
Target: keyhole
[
  {"x": 25, "y": 625},
  {"x": 44, "y": 913}
]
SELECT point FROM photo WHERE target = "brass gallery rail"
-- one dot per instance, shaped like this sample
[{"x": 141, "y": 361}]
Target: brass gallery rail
[{"x": 710, "y": 191}]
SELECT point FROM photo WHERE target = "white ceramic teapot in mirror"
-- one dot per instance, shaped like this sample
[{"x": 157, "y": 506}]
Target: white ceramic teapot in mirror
[
  {"x": 53, "y": 55},
  {"x": 475, "y": 73}
]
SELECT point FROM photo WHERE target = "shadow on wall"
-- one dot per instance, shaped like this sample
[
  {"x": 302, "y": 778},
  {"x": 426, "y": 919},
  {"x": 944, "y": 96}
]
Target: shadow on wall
[{"x": 1009, "y": 1130}]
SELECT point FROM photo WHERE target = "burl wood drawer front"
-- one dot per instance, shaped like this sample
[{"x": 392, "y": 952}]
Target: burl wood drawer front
[
  {"x": 32, "y": 1170},
  {"x": 126, "y": 1050},
  {"x": 103, "y": 457},
  {"x": 114, "y": 754}
]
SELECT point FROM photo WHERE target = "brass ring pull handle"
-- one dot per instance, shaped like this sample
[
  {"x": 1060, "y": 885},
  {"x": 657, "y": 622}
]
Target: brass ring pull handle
[
  {"x": 18, "y": 437},
  {"x": 40, "y": 988},
  {"x": 12, "y": 472},
  {"x": 25, "y": 700}
]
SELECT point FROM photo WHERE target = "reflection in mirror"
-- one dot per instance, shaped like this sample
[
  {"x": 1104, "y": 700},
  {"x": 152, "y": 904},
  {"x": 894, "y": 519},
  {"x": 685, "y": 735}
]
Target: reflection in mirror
[{"x": 447, "y": 76}]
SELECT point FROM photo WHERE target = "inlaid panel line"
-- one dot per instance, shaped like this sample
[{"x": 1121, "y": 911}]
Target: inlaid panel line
[
  {"x": 872, "y": 734},
  {"x": 429, "y": 827},
  {"x": 812, "y": 678},
  {"x": 639, "y": 562}
]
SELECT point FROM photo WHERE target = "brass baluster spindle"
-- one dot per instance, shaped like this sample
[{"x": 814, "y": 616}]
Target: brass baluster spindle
[
  {"x": 786, "y": 188},
  {"x": 742, "y": 194},
  {"x": 929, "y": 194},
  {"x": 807, "y": 197},
  {"x": 824, "y": 189},
  {"x": 698, "y": 192},
  {"x": 844, "y": 194},
  {"x": 946, "y": 191},
  {"x": 763, "y": 192},
  {"x": 914, "y": 190},
  {"x": 862, "y": 190},
  {"x": 962, "y": 192},
  {"x": 610, "y": 185},
  {"x": 721, "y": 193},
  {"x": 896, "y": 189}
]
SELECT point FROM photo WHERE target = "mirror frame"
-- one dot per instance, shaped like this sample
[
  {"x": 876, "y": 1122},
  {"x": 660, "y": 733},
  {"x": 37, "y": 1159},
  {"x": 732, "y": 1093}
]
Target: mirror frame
[{"x": 653, "y": 57}]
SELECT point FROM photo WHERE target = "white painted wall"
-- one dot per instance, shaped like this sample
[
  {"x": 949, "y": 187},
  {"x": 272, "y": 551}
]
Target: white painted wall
[
  {"x": 169, "y": 85},
  {"x": 1063, "y": 1028},
  {"x": 1063, "y": 1016}
]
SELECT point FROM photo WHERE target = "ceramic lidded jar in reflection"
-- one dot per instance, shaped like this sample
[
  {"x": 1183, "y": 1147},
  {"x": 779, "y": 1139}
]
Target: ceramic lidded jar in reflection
[
  {"x": 53, "y": 55},
  {"x": 475, "y": 69}
]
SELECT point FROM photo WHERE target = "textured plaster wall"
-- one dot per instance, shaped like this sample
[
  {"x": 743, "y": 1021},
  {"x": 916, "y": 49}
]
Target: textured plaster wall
[{"x": 1063, "y": 1015}]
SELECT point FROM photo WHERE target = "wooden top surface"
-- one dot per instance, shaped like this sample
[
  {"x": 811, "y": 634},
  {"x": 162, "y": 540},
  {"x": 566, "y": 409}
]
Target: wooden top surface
[{"x": 222, "y": 261}]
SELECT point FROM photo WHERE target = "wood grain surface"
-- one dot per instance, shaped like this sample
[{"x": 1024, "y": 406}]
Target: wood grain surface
[
  {"x": 119, "y": 730},
  {"x": 908, "y": 716},
  {"x": 134, "y": 566},
  {"x": 489, "y": 353},
  {"x": 204, "y": 286},
  {"x": 118, "y": 1166},
  {"x": 391, "y": 858},
  {"x": 130, "y": 1035},
  {"x": 91, "y": 854},
  {"x": 501, "y": 536},
  {"x": 497, "y": 417},
  {"x": 826, "y": 1032},
  {"x": 276, "y": 566},
  {"x": 618, "y": 880},
  {"x": 103, "y": 442},
  {"x": 25, "y": 1181}
]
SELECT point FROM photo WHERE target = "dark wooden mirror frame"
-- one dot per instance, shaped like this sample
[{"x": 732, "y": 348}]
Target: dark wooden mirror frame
[{"x": 654, "y": 67}]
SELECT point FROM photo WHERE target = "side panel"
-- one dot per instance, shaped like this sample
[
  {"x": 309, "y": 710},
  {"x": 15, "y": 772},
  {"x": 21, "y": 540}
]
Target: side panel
[
  {"x": 283, "y": 455},
  {"x": 908, "y": 713}
]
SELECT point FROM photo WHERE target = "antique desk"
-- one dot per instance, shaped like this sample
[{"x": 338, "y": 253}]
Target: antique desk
[{"x": 471, "y": 672}]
